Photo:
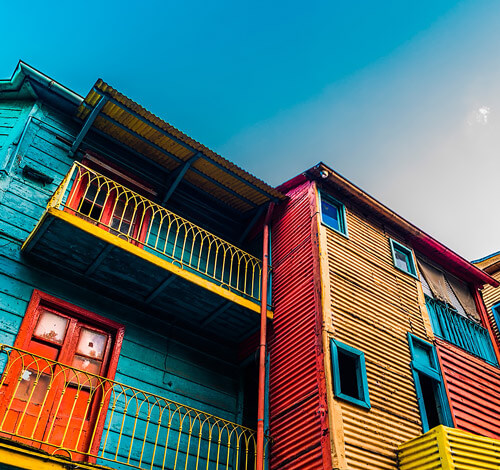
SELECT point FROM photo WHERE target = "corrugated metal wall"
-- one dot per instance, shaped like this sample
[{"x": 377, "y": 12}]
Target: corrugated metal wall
[
  {"x": 445, "y": 448},
  {"x": 421, "y": 452},
  {"x": 373, "y": 306},
  {"x": 295, "y": 353},
  {"x": 491, "y": 296},
  {"x": 474, "y": 390},
  {"x": 470, "y": 452}
]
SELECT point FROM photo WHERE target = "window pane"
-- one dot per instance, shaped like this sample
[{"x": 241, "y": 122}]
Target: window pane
[
  {"x": 91, "y": 343},
  {"x": 348, "y": 366},
  {"x": 88, "y": 365},
  {"x": 51, "y": 327},
  {"x": 330, "y": 214},
  {"x": 402, "y": 261},
  {"x": 33, "y": 387}
]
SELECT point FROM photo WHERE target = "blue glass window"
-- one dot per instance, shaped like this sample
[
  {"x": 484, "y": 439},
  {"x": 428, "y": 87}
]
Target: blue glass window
[
  {"x": 403, "y": 258},
  {"x": 333, "y": 214}
]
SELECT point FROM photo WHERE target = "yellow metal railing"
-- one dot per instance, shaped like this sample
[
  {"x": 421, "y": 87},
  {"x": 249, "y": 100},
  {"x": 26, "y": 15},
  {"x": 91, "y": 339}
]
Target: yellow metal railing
[
  {"x": 154, "y": 228},
  {"x": 444, "y": 448},
  {"x": 66, "y": 411}
]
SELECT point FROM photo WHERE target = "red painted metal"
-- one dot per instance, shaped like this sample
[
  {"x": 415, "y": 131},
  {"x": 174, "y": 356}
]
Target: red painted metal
[
  {"x": 263, "y": 340},
  {"x": 473, "y": 388},
  {"x": 297, "y": 401},
  {"x": 116, "y": 330}
]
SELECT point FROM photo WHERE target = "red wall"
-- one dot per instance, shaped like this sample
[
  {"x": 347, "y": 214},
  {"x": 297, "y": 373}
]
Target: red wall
[
  {"x": 297, "y": 407},
  {"x": 473, "y": 389}
]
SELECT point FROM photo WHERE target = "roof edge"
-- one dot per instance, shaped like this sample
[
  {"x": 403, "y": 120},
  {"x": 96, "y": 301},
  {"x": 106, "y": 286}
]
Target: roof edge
[
  {"x": 423, "y": 241},
  {"x": 24, "y": 70}
]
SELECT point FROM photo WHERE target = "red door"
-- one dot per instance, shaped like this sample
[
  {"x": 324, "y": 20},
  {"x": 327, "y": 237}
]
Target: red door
[{"x": 55, "y": 403}]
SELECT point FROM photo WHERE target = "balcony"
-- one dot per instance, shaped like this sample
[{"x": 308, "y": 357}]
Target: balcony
[
  {"x": 460, "y": 331},
  {"x": 65, "y": 413},
  {"x": 449, "y": 449},
  {"x": 115, "y": 238}
]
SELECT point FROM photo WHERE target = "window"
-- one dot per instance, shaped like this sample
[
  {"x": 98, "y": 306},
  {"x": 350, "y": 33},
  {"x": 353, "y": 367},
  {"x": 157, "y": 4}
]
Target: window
[
  {"x": 333, "y": 214},
  {"x": 403, "y": 258},
  {"x": 53, "y": 393},
  {"x": 431, "y": 394},
  {"x": 349, "y": 374},
  {"x": 100, "y": 196},
  {"x": 496, "y": 313}
]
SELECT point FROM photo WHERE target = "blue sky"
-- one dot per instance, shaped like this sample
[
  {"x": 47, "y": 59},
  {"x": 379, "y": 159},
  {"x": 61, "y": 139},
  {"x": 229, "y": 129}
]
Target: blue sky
[{"x": 402, "y": 97}]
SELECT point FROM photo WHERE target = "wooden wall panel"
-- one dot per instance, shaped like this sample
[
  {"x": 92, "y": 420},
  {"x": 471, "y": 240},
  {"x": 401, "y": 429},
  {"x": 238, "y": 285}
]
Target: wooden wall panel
[
  {"x": 373, "y": 306},
  {"x": 473, "y": 388},
  {"x": 156, "y": 356}
]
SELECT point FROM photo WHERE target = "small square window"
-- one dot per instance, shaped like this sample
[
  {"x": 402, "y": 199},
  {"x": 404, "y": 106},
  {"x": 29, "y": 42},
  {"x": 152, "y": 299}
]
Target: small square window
[
  {"x": 403, "y": 258},
  {"x": 349, "y": 374},
  {"x": 333, "y": 214}
]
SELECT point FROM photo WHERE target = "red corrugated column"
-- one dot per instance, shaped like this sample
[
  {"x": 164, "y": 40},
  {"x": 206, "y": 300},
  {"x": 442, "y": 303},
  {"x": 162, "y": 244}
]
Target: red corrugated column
[
  {"x": 263, "y": 340},
  {"x": 298, "y": 414}
]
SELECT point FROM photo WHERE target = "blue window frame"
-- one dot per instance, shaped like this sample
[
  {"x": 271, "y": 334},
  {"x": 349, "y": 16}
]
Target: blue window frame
[
  {"x": 403, "y": 258},
  {"x": 429, "y": 386},
  {"x": 349, "y": 374},
  {"x": 333, "y": 214},
  {"x": 496, "y": 313}
]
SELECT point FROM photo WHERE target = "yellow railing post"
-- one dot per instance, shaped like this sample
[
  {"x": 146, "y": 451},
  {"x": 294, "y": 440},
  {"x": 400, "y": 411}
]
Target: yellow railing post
[
  {"x": 130, "y": 216},
  {"x": 135, "y": 433}
]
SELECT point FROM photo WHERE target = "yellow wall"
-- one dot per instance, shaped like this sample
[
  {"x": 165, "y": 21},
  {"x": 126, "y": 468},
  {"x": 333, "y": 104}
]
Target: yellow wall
[
  {"x": 491, "y": 296},
  {"x": 371, "y": 307}
]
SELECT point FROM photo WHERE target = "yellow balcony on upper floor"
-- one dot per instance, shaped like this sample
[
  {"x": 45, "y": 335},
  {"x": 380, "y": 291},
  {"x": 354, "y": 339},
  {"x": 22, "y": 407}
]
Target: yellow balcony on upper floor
[
  {"x": 444, "y": 448},
  {"x": 122, "y": 242}
]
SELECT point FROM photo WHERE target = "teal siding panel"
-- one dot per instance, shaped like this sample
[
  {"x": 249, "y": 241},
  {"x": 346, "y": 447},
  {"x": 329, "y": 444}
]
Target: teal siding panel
[{"x": 198, "y": 383}]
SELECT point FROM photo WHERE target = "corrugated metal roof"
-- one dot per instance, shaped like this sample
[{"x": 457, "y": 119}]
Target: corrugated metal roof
[{"x": 146, "y": 133}]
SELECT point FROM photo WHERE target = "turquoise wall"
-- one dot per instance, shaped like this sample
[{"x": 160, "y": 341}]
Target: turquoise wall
[{"x": 156, "y": 356}]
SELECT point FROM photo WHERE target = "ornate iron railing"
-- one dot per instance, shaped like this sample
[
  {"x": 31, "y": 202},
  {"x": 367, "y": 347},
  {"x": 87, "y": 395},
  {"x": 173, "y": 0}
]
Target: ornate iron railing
[
  {"x": 134, "y": 218},
  {"x": 68, "y": 412},
  {"x": 459, "y": 330}
]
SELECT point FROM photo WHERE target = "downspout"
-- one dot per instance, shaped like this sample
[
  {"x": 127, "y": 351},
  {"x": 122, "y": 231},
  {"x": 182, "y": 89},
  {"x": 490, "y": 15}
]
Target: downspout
[{"x": 263, "y": 339}]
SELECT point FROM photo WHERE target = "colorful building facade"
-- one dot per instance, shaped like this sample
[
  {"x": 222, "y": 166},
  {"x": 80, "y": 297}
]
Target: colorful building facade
[
  {"x": 130, "y": 287},
  {"x": 133, "y": 293},
  {"x": 382, "y": 355}
]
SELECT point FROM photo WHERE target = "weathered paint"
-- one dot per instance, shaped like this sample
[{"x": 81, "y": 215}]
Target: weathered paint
[
  {"x": 158, "y": 355},
  {"x": 444, "y": 448},
  {"x": 296, "y": 413},
  {"x": 473, "y": 388},
  {"x": 373, "y": 306}
]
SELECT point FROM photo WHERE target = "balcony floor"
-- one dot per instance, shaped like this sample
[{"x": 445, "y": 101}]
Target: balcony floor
[{"x": 66, "y": 242}]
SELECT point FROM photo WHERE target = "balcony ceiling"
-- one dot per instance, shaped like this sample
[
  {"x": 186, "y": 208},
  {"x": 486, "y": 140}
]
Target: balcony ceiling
[
  {"x": 131, "y": 124},
  {"x": 70, "y": 246}
]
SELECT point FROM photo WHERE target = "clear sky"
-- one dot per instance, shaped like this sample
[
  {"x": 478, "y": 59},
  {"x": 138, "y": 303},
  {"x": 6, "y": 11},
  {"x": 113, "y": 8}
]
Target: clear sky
[{"x": 402, "y": 97}]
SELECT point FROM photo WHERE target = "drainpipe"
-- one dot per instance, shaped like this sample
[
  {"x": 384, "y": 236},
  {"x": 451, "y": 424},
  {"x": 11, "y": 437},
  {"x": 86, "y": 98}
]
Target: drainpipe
[{"x": 263, "y": 340}]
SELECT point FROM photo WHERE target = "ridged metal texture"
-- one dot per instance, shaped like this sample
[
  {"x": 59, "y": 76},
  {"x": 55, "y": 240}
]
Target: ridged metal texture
[
  {"x": 473, "y": 389},
  {"x": 420, "y": 453},
  {"x": 449, "y": 449},
  {"x": 491, "y": 296},
  {"x": 294, "y": 393},
  {"x": 373, "y": 307},
  {"x": 155, "y": 131}
]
